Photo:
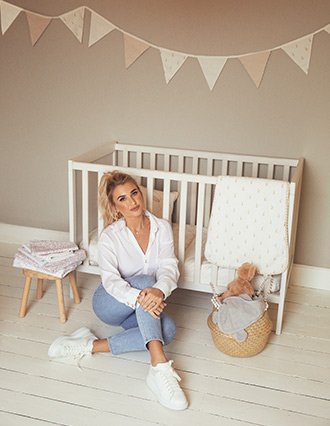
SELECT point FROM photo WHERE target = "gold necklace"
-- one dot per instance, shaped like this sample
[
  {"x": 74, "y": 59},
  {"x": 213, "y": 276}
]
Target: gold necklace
[{"x": 137, "y": 232}]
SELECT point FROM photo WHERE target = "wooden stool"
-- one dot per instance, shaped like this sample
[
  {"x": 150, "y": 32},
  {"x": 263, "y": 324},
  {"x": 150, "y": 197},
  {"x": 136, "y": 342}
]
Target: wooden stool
[{"x": 59, "y": 288}]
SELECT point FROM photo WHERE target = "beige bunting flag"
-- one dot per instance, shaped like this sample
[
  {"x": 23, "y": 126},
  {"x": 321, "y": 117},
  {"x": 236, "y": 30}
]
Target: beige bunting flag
[
  {"x": 211, "y": 67},
  {"x": 172, "y": 62},
  {"x": 255, "y": 65},
  {"x": 300, "y": 52},
  {"x": 133, "y": 49},
  {"x": 37, "y": 25},
  {"x": 327, "y": 28},
  {"x": 9, "y": 13},
  {"x": 74, "y": 20},
  {"x": 99, "y": 28}
]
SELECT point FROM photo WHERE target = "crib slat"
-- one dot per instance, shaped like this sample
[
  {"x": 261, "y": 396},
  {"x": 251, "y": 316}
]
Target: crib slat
[
  {"x": 239, "y": 169},
  {"x": 209, "y": 172},
  {"x": 115, "y": 158},
  {"x": 180, "y": 170},
  {"x": 182, "y": 221},
  {"x": 150, "y": 191},
  {"x": 138, "y": 166},
  {"x": 199, "y": 233},
  {"x": 152, "y": 161},
  {"x": 270, "y": 171},
  {"x": 125, "y": 158},
  {"x": 224, "y": 168},
  {"x": 166, "y": 199},
  {"x": 85, "y": 212},
  {"x": 193, "y": 192},
  {"x": 181, "y": 164},
  {"x": 139, "y": 160},
  {"x": 286, "y": 173}
]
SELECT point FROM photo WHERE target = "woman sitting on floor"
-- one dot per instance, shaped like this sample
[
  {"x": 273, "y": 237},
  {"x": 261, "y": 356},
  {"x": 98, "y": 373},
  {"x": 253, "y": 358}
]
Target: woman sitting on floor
[{"x": 139, "y": 271}]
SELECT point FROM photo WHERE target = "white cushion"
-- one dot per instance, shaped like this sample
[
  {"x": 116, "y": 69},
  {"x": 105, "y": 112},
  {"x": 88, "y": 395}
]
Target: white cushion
[
  {"x": 157, "y": 204},
  {"x": 249, "y": 224}
]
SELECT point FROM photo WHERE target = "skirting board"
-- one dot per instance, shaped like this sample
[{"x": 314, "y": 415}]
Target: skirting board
[
  {"x": 310, "y": 276},
  {"x": 15, "y": 234},
  {"x": 302, "y": 275}
]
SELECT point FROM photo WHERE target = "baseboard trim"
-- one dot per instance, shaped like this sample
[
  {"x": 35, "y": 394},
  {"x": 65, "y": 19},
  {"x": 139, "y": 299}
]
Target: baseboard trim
[
  {"x": 16, "y": 234},
  {"x": 310, "y": 276},
  {"x": 302, "y": 275}
]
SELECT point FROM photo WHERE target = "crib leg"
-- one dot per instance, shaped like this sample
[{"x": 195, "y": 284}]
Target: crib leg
[
  {"x": 279, "y": 319},
  {"x": 280, "y": 311}
]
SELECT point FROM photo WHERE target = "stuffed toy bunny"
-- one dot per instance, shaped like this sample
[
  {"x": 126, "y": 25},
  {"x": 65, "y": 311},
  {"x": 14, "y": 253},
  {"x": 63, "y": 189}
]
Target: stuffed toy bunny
[{"x": 242, "y": 284}]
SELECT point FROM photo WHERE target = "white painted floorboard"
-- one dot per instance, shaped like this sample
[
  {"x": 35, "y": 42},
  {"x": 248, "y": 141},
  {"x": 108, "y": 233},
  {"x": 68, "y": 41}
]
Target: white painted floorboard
[{"x": 287, "y": 384}]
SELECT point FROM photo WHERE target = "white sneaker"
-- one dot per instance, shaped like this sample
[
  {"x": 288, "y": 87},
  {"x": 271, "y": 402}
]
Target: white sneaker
[
  {"x": 76, "y": 345},
  {"x": 163, "y": 382}
]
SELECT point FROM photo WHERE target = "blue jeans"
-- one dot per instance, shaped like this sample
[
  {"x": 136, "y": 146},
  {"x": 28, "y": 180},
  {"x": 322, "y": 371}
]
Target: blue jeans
[{"x": 139, "y": 326}]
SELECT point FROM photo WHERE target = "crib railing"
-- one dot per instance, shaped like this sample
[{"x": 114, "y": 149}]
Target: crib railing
[{"x": 191, "y": 173}]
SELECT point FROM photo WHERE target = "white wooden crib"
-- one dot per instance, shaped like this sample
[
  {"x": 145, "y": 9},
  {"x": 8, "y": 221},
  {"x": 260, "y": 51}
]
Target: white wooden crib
[{"x": 190, "y": 174}]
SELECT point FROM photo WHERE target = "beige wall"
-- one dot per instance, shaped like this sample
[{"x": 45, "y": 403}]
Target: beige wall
[{"x": 61, "y": 98}]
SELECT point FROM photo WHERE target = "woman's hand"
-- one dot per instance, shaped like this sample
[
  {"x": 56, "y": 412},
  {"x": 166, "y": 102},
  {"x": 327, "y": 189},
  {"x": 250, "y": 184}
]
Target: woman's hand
[{"x": 152, "y": 300}]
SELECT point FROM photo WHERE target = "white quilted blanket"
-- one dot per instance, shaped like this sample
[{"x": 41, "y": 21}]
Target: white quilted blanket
[{"x": 249, "y": 224}]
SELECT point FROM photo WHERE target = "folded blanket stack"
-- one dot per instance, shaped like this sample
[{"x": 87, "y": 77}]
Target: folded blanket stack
[{"x": 56, "y": 258}]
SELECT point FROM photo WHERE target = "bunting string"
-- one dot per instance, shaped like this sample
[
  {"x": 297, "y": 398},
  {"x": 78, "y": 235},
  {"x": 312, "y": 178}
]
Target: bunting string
[{"x": 298, "y": 50}]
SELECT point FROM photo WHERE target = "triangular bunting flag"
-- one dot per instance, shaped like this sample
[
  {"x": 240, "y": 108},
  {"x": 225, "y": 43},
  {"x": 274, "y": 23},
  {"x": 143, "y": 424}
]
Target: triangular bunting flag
[
  {"x": 327, "y": 28},
  {"x": 74, "y": 20},
  {"x": 99, "y": 28},
  {"x": 133, "y": 49},
  {"x": 300, "y": 52},
  {"x": 172, "y": 61},
  {"x": 255, "y": 65},
  {"x": 211, "y": 67},
  {"x": 9, "y": 13},
  {"x": 37, "y": 25}
]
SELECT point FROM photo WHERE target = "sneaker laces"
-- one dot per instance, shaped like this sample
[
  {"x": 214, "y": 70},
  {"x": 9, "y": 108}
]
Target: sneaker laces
[
  {"x": 171, "y": 379},
  {"x": 77, "y": 352}
]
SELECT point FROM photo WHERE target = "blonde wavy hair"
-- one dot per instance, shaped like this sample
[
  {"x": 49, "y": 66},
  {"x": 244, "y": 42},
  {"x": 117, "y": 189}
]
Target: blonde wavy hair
[{"x": 109, "y": 181}]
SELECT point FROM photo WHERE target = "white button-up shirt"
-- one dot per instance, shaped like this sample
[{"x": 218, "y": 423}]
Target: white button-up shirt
[{"x": 120, "y": 257}]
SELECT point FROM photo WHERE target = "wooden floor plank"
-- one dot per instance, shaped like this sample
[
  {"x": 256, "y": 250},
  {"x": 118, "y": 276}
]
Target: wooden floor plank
[{"x": 13, "y": 419}]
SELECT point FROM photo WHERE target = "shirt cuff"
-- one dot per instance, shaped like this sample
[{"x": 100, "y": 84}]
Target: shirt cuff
[
  {"x": 164, "y": 288},
  {"x": 131, "y": 297}
]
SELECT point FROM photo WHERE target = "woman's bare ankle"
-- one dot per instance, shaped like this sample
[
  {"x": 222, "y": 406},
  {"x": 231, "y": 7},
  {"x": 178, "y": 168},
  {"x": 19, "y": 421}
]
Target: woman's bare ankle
[
  {"x": 100, "y": 345},
  {"x": 157, "y": 355}
]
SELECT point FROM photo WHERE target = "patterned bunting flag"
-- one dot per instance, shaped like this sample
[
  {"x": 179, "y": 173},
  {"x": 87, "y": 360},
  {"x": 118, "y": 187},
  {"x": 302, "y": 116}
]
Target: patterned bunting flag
[
  {"x": 133, "y": 49},
  {"x": 172, "y": 61},
  {"x": 211, "y": 67},
  {"x": 37, "y": 25},
  {"x": 9, "y": 13},
  {"x": 255, "y": 65},
  {"x": 99, "y": 28},
  {"x": 74, "y": 20},
  {"x": 300, "y": 52}
]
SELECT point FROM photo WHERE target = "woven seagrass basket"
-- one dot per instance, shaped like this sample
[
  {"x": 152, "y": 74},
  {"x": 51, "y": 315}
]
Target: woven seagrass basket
[{"x": 258, "y": 334}]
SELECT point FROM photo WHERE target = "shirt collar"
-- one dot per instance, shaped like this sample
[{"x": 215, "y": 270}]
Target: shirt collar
[{"x": 120, "y": 224}]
